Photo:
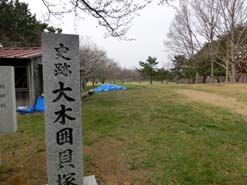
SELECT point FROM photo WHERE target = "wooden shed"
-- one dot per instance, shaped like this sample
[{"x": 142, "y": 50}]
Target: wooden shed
[{"x": 27, "y": 63}]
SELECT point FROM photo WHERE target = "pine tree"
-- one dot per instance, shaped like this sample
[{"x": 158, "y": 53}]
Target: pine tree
[{"x": 18, "y": 27}]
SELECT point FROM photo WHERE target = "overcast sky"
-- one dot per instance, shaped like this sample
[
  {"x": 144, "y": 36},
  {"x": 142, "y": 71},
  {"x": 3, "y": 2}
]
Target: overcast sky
[{"x": 149, "y": 31}]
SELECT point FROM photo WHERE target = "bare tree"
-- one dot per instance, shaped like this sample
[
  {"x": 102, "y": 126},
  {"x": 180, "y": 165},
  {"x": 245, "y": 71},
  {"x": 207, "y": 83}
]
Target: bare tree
[
  {"x": 125, "y": 74},
  {"x": 96, "y": 65},
  {"x": 221, "y": 24},
  {"x": 207, "y": 14},
  {"x": 113, "y": 70},
  {"x": 233, "y": 17},
  {"x": 91, "y": 60},
  {"x": 105, "y": 69},
  {"x": 182, "y": 38},
  {"x": 114, "y": 15},
  {"x": 88, "y": 61}
]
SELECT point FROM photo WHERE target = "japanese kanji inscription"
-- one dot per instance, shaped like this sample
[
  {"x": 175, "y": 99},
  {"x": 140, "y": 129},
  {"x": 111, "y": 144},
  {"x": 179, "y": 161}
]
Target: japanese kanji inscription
[{"x": 61, "y": 73}]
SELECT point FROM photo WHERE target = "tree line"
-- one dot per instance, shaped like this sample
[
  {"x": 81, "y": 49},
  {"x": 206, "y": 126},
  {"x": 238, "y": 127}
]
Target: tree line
[
  {"x": 209, "y": 40},
  {"x": 96, "y": 66}
]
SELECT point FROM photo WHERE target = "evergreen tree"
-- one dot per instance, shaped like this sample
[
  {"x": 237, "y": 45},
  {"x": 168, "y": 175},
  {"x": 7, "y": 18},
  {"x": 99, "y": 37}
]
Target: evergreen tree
[
  {"x": 18, "y": 27},
  {"x": 162, "y": 74},
  {"x": 148, "y": 69},
  {"x": 178, "y": 67}
]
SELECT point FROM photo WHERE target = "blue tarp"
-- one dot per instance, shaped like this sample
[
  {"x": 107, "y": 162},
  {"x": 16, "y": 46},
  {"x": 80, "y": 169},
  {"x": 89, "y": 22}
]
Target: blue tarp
[
  {"x": 108, "y": 87},
  {"x": 38, "y": 107}
]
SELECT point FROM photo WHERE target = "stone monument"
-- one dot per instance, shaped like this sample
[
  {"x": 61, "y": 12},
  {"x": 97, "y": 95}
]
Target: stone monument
[
  {"x": 61, "y": 72},
  {"x": 8, "y": 123}
]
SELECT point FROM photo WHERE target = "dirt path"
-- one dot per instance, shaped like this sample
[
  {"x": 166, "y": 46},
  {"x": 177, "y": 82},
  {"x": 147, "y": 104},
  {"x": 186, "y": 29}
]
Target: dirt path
[{"x": 217, "y": 100}]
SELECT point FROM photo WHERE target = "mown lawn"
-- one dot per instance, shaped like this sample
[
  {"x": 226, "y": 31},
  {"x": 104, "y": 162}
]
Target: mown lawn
[{"x": 141, "y": 136}]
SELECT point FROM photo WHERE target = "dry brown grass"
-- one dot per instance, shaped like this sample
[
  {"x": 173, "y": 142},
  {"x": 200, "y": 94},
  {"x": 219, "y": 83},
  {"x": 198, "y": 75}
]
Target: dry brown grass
[{"x": 214, "y": 99}]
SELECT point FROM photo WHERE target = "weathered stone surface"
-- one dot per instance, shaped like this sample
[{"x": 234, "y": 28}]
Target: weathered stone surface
[
  {"x": 7, "y": 100},
  {"x": 61, "y": 73},
  {"x": 90, "y": 180}
]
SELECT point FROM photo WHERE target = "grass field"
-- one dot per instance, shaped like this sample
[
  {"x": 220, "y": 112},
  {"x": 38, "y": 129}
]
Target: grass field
[{"x": 145, "y": 135}]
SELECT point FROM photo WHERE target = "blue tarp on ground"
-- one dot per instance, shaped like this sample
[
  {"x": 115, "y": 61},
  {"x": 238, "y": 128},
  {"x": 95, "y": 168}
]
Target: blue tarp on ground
[
  {"x": 108, "y": 87},
  {"x": 38, "y": 107}
]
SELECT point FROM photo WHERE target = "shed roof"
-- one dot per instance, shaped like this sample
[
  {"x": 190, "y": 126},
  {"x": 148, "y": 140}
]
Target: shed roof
[{"x": 20, "y": 52}]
